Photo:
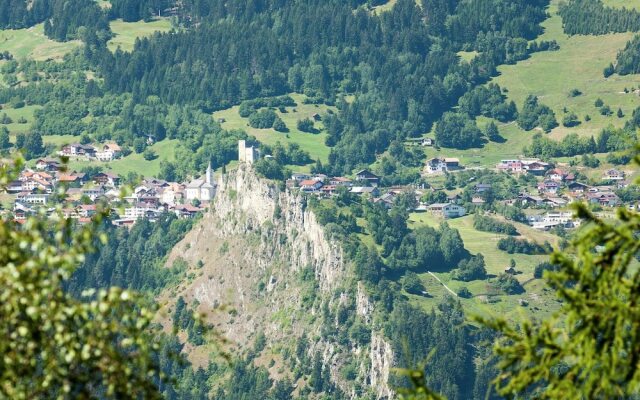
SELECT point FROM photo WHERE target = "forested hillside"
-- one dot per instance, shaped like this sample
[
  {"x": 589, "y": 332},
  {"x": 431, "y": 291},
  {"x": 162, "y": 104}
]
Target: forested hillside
[{"x": 416, "y": 164}]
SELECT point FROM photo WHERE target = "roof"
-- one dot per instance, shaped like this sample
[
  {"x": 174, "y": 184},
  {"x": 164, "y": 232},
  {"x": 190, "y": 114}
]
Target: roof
[
  {"x": 112, "y": 147},
  {"x": 451, "y": 160},
  {"x": 107, "y": 174},
  {"x": 195, "y": 184},
  {"x": 366, "y": 172},
  {"x": 362, "y": 189},
  {"x": 309, "y": 182}
]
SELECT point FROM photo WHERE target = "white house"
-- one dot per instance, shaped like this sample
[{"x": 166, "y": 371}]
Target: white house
[
  {"x": 553, "y": 219},
  {"x": 440, "y": 165},
  {"x": 202, "y": 189},
  {"x": 109, "y": 152},
  {"x": 447, "y": 210}
]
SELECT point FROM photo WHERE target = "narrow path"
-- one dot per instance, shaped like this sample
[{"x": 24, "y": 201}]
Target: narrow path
[{"x": 442, "y": 283}]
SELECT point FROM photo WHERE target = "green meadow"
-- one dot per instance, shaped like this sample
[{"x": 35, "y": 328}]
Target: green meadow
[
  {"x": 32, "y": 43},
  {"x": 134, "y": 162},
  {"x": 312, "y": 143},
  {"x": 536, "y": 294},
  {"x": 551, "y": 75},
  {"x": 126, "y": 33}
]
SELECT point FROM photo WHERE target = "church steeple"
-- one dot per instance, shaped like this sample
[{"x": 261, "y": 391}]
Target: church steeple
[{"x": 208, "y": 178}]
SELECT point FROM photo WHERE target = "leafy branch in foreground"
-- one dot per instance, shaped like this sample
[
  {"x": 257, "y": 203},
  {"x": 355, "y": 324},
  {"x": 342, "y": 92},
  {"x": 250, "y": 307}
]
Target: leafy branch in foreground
[
  {"x": 589, "y": 349},
  {"x": 56, "y": 346}
]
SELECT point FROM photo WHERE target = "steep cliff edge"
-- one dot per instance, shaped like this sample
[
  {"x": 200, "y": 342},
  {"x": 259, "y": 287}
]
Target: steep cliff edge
[{"x": 259, "y": 263}]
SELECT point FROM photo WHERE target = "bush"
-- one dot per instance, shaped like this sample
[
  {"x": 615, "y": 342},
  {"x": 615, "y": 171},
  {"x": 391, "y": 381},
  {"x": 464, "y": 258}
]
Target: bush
[
  {"x": 279, "y": 125},
  {"x": 488, "y": 224},
  {"x": 570, "y": 120},
  {"x": 512, "y": 245},
  {"x": 575, "y": 93},
  {"x": 306, "y": 125},
  {"x": 263, "y": 119},
  {"x": 411, "y": 283},
  {"x": 471, "y": 269},
  {"x": 149, "y": 154},
  {"x": 464, "y": 293},
  {"x": 509, "y": 284}
]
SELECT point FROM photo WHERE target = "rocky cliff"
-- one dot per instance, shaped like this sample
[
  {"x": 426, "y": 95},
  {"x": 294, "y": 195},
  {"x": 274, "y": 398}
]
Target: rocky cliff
[{"x": 260, "y": 263}]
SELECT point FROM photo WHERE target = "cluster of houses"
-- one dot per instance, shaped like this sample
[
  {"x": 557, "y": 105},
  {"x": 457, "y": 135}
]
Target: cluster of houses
[
  {"x": 106, "y": 152},
  {"x": 35, "y": 189}
]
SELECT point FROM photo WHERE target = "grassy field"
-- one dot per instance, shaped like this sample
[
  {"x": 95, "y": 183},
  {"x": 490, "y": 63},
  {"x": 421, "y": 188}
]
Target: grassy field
[
  {"x": 32, "y": 43},
  {"x": 489, "y": 155},
  {"x": 135, "y": 162},
  {"x": 496, "y": 260},
  {"x": 578, "y": 64},
  {"x": 126, "y": 33},
  {"x": 312, "y": 143},
  {"x": 15, "y": 114},
  {"x": 635, "y": 4}
]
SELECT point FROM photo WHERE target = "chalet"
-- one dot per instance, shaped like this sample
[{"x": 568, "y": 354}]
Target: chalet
[
  {"x": 14, "y": 187},
  {"x": 440, "y": 165},
  {"x": 428, "y": 142},
  {"x": 298, "y": 177},
  {"x": 310, "y": 185},
  {"x": 513, "y": 166},
  {"x": 92, "y": 193},
  {"x": 554, "y": 219},
  {"x": 549, "y": 187},
  {"x": 36, "y": 183},
  {"x": 142, "y": 210},
  {"x": 86, "y": 210},
  {"x": 623, "y": 184},
  {"x": 78, "y": 150},
  {"x": 454, "y": 198},
  {"x": 109, "y": 152},
  {"x": 367, "y": 176},
  {"x": 106, "y": 178},
  {"x": 172, "y": 194},
  {"x": 447, "y": 210},
  {"x": 425, "y": 142},
  {"x": 387, "y": 199},
  {"x": 340, "y": 181},
  {"x": 577, "y": 187},
  {"x": 607, "y": 199},
  {"x": 328, "y": 190},
  {"x": 554, "y": 202},
  {"x": 556, "y": 175},
  {"x": 33, "y": 198},
  {"x": 186, "y": 211},
  {"x": 73, "y": 179},
  {"x": 477, "y": 200},
  {"x": 535, "y": 167},
  {"x": 613, "y": 175},
  {"x": 531, "y": 199},
  {"x": 48, "y": 164}
]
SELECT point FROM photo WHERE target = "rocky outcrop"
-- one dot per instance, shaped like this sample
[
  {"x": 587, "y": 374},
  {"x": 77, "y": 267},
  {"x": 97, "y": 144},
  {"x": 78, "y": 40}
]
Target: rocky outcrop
[{"x": 260, "y": 262}]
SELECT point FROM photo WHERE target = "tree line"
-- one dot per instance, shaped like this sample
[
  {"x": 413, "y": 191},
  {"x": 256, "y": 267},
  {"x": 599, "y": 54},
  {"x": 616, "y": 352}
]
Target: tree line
[{"x": 592, "y": 17}]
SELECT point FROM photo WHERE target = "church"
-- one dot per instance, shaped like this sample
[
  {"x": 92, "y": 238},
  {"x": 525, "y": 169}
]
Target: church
[{"x": 202, "y": 189}]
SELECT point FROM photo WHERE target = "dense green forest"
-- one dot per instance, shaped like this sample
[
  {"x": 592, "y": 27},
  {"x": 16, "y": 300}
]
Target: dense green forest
[
  {"x": 326, "y": 53},
  {"x": 628, "y": 59},
  {"x": 592, "y": 17}
]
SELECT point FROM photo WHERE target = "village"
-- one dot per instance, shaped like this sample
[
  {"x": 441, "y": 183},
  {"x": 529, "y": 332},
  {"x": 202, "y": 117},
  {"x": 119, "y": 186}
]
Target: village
[{"x": 36, "y": 188}]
